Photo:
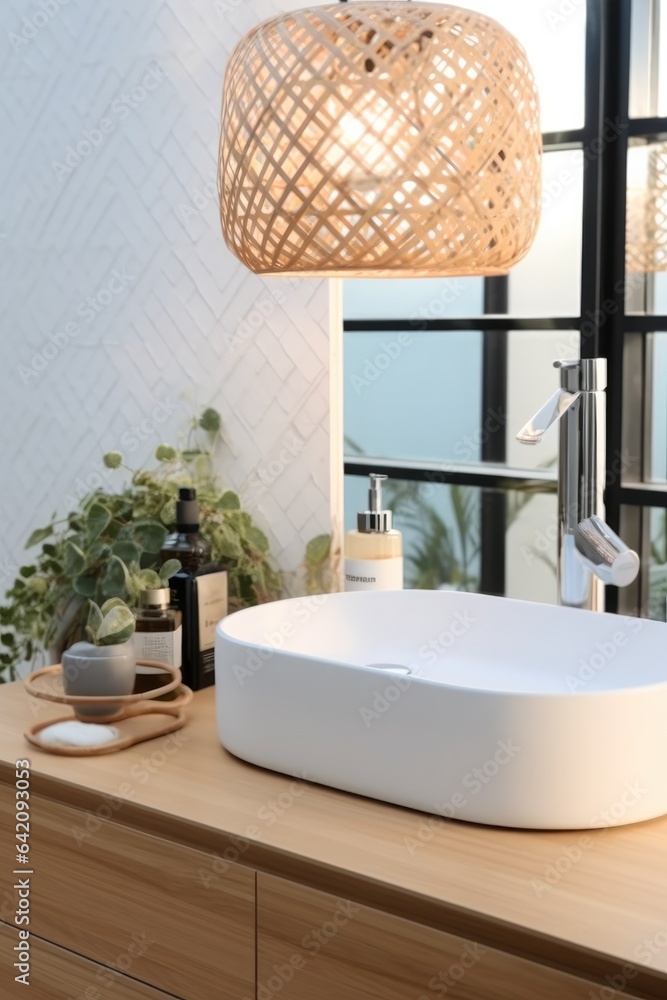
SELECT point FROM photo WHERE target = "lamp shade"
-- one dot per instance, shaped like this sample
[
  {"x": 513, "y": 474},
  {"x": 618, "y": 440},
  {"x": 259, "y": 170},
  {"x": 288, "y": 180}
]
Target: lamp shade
[
  {"x": 380, "y": 139},
  {"x": 646, "y": 211}
]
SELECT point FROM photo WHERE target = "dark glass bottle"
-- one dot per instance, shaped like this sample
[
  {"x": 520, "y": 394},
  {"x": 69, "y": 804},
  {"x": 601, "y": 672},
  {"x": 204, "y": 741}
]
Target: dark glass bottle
[{"x": 199, "y": 590}]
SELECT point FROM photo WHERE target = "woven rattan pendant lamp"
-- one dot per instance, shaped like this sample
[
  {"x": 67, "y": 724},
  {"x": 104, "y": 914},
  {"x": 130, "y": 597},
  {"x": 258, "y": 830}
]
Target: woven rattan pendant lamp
[{"x": 377, "y": 139}]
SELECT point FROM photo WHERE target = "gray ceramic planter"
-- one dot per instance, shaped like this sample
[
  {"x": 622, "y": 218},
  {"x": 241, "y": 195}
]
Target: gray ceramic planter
[{"x": 94, "y": 671}]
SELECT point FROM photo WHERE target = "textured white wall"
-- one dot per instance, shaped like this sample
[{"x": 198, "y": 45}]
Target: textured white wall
[{"x": 130, "y": 221}]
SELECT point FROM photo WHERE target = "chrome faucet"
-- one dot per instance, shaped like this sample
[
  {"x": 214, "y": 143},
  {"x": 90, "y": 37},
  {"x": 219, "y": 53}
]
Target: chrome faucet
[{"x": 590, "y": 554}]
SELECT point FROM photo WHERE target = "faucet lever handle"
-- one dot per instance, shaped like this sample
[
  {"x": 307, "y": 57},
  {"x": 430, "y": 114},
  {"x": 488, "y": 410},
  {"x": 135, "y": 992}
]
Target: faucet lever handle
[
  {"x": 553, "y": 410},
  {"x": 605, "y": 553}
]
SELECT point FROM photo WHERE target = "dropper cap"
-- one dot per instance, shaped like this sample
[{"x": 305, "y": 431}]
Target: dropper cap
[
  {"x": 375, "y": 518},
  {"x": 187, "y": 509}
]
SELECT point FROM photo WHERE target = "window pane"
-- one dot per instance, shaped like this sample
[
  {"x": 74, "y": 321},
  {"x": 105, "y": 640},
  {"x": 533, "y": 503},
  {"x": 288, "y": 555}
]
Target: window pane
[
  {"x": 531, "y": 380},
  {"x": 441, "y": 535},
  {"x": 554, "y": 37},
  {"x": 418, "y": 396},
  {"x": 646, "y": 227},
  {"x": 656, "y": 375},
  {"x": 657, "y": 571},
  {"x": 440, "y": 526},
  {"x": 548, "y": 281},
  {"x": 412, "y": 298},
  {"x": 531, "y": 546},
  {"x": 413, "y": 395},
  {"x": 648, "y": 59}
]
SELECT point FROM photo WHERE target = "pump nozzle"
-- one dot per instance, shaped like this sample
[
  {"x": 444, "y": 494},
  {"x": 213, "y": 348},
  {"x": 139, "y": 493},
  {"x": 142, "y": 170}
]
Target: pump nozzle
[{"x": 375, "y": 518}]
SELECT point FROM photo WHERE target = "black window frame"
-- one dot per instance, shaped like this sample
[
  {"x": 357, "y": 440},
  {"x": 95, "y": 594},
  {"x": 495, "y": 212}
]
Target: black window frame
[{"x": 602, "y": 309}]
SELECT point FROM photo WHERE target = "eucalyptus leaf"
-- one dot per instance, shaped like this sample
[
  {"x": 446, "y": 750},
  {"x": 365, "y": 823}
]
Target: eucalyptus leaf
[
  {"x": 228, "y": 545},
  {"x": 169, "y": 568},
  {"x": 210, "y": 420},
  {"x": 127, "y": 551},
  {"x": 149, "y": 534},
  {"x": 38, "y": 535},
  {"x": 229, "y": 501},
  {"x": 85, "y": 585},
  {"x": 149, "y": 580},
  {"x": 75, "y": 559},
  {"x": 165, "y": 453},
  {"x": 93, "y": 621},
  {"x": 113, "y": 602},
  {"x": 148, "y": 560},
  {"x": 97, "y": 519},
  {"x": 99, "y": 550},
  {"x": 258, "y": 539},
  {"x": 117, "y": 626},
  {"x": 115, "y": 578},
  {"x": 318, "y": 549}
]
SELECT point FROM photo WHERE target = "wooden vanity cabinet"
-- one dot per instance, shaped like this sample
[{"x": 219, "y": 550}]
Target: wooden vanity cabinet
[
  {"x": 136, "y": 904},
  {"x": 315, "y": 946},
  {"x": 57, "y": 974}
]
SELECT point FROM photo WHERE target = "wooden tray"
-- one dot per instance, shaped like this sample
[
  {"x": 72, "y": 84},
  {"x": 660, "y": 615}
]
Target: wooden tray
[{"x": 141, "y": 717}]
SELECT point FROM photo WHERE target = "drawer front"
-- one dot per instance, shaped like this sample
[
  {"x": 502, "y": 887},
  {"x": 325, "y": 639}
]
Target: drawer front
[
  {"x": 56, "y": 974},
  {"x": 314, "y": 945},
  {"x": 159, "y": 912}
]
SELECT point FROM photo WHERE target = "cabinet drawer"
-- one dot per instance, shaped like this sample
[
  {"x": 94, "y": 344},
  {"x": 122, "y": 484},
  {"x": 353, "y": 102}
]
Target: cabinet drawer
[
  {"x": 133, "y": 901},
  {"x": 56, "y": 974},
  {"x": 311, "y": 944}
]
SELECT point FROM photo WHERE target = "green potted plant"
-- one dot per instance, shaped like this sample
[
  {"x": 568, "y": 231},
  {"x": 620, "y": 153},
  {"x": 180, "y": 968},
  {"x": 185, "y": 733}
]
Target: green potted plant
[
  {"x": 108, "y": 545},
  {"x": 105, "y": 663}
]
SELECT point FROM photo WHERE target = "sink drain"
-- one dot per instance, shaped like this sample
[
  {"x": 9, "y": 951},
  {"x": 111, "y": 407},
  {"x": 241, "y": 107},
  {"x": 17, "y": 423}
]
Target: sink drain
[{"x": 390, "y": 668}]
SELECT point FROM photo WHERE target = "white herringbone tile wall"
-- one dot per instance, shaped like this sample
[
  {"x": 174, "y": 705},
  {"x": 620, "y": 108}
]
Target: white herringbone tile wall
[{"x": 175, "y": 321}]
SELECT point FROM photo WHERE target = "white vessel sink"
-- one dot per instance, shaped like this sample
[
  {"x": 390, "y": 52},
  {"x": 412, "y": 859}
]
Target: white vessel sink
[{"x": 513, "y": 714}]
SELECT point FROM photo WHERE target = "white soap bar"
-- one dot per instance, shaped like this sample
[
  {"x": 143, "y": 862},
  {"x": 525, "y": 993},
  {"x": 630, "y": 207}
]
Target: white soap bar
[{"x": 78, "y": 734}]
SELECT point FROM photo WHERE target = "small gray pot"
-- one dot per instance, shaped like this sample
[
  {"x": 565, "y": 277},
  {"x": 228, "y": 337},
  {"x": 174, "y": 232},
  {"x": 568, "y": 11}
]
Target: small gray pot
[{"x": 94, "y": 671}]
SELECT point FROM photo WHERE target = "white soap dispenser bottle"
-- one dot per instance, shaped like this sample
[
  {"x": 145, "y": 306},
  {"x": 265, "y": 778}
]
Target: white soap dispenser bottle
[{"x": 374, "y": 552}]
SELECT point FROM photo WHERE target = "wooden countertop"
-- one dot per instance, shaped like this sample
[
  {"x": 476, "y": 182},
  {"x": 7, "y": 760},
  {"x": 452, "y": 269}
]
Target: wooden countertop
[{"x": 582, "y": 902}]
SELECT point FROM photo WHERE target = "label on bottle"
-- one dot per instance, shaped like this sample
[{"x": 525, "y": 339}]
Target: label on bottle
[
  {"x": 164, "y": 646},
  {"x": 211, "y": 606},
  {"x": 374, "y": 574}
]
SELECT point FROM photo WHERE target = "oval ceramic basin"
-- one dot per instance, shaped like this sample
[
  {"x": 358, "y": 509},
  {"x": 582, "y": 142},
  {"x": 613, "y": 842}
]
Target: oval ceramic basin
[{"x": 476, "y": 708}]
